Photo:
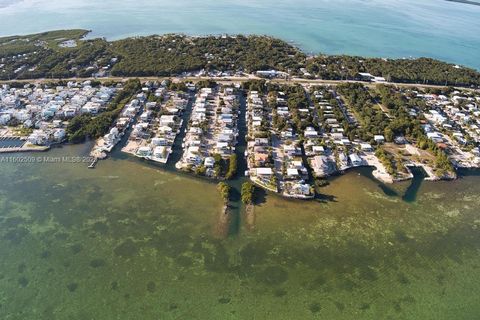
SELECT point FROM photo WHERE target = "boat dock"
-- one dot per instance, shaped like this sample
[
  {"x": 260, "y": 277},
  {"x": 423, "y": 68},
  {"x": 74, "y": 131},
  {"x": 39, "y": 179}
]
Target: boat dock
[
  {"x": 93, "y": 164},
  {"x": 11, "y": 142}
]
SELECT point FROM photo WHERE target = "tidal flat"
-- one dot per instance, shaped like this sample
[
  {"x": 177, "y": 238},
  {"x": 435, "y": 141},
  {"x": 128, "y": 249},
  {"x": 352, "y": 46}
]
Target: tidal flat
[{"x": 130, "y": 239}]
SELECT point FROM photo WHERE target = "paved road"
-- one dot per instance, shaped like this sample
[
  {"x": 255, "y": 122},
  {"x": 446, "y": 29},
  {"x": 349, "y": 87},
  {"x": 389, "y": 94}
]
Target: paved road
[{"x": 231, "y": 80}]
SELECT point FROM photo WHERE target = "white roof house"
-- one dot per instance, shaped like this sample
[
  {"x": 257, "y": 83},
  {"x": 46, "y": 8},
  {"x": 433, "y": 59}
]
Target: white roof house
[
  {"x": 209, "y": 162},
  {"x": 355, "y": 159},
  {"x": 167, "y": 120},
  {"x": 161, "y": 152},
  {"x": 310, "y": 132},
  {"x": 292, "y": 172},
  {"x": 366, "y": 147},
  {"x": 264, "y": 171},
  {"x": 379, "y": 138},
  {"x": 318, "y": 149}
]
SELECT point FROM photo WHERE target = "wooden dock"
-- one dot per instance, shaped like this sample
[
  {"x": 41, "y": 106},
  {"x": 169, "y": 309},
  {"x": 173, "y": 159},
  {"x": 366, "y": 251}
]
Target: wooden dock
[{"x": 93, "y": 164}]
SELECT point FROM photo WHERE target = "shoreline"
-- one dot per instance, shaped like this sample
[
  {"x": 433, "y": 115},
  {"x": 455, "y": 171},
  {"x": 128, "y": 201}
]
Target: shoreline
[
  {"x": 280, "y": 56},
  {"x": 90, "y": 34},
  {"x": 473, "y": 3}
]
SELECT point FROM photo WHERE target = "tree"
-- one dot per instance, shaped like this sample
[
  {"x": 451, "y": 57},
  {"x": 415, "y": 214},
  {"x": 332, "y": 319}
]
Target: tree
[
  {"x": 232, "y": 167},
  {"x": 224, "y": 190},
  {"x": 248, "y": 191},
  {"x": 201, "y": 170}
]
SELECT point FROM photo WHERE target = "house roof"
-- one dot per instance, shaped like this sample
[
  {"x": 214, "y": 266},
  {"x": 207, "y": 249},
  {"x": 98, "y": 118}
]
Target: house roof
[{"x": 264, "y": 171}]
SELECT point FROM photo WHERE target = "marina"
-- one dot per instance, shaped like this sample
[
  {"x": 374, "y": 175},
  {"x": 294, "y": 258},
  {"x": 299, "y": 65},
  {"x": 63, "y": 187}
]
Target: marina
[{"x": 7, "y": 142}]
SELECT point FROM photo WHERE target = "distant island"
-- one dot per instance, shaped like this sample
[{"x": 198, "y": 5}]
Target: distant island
[
  {"x": 67, "y": 54},
  {"x": 475, "y": 3}
]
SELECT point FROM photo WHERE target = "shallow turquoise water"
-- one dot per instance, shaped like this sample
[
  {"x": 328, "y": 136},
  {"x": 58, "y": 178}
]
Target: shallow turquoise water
[
  {"x": 129, "y": 240},
  {"x": 386, "y": 28}
]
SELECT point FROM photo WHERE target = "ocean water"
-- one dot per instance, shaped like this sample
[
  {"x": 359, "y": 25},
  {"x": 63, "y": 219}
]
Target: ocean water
[
  {"x": 386, "y": 28},
  {"x": 123, "y": 242}
]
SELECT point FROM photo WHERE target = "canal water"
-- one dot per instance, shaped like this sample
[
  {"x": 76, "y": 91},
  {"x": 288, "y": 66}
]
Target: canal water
[{"x": 419, "y": 175}]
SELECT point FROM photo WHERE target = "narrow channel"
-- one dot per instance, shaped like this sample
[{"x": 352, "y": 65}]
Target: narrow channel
[
  {"x": 177, "y": 149},
  {"x": 236, "y": 205},
  {"x": 368, "y": 173},
  {"x": 419, "y": 175}
]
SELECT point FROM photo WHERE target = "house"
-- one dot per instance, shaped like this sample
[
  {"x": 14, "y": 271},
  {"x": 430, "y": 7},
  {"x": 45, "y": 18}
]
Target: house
[
  {"x": 48, "y": 114},
  {"x": 264, "y": 172},
  {"x": 144, "y": 152},
  {"x": 59, "y": 135},
  {"x": 288, "y": 134},
  {"x": 193, "y": 150},
  {"x": 435, "y": 136},
  {"x": 261, "y": 141},
  {"x": 400, "y": 140},
  {"x": 146, "y": 115},
  {"x": 291, "y": 150},
  {"x": 157, "y": 141},
  {"x": 379, "y": 138},
  {"x": 310, "y": 132},
  {"x": 167, "y": 120},
  {"x": 4, "y": 119},
  {"x": 225, "y": 138},
  {"x": 193, "y": 157},
  {"x": 322, "y": 166},
  {"x": 355, "y": 160},
  {"x": 223, "y": 147},
  {"x": 150, "y": 105},
  {"x": 161, "y": 153},
  {"x": 260, "y": 158},
  {"x": 38, "y": 137},
  {"x": 337, "y": 136},
  {"x": 91, "y": 108},
  {"x": 301, "y": 189},
  {"x": 267, "y": 73},
  {"x": 318, "y": 150},
  {"x": 365, "y": 76},
  {"x": 367, "y": 147},
  {"x": 165, "y": 130},
  {"x": 209, "y": 162},
  {"x": 292, "y": 173}
]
